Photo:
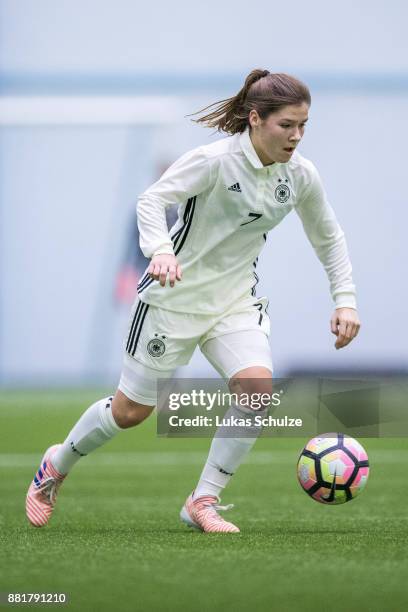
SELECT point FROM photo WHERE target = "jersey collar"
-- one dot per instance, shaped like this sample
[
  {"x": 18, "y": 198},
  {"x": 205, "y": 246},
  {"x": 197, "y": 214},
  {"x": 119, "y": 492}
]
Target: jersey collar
[{"x": 251, "y": 154}]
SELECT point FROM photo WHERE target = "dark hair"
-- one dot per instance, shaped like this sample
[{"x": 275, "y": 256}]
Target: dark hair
[{"x": 263, "y": 91}]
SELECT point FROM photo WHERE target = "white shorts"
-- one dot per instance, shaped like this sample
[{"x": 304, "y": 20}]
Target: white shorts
[{"x": 158, "y": 341}]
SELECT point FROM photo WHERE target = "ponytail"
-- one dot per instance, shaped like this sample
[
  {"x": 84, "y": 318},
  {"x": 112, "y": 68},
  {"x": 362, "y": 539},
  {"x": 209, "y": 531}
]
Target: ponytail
[{"x": 263, "y": 91}]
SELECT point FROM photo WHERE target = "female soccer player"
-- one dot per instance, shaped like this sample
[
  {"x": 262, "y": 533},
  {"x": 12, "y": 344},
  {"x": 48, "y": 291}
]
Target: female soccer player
[{"x": 199, "y": 288}]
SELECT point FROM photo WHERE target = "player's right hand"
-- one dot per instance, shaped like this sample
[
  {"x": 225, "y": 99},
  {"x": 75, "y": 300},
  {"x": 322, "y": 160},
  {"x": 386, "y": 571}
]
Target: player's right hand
[{"x": 163, "y": 265}]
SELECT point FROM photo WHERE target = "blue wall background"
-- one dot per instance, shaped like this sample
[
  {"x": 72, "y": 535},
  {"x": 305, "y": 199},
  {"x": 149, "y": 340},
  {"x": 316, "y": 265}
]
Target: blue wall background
[{"x": 68, "y": 191}]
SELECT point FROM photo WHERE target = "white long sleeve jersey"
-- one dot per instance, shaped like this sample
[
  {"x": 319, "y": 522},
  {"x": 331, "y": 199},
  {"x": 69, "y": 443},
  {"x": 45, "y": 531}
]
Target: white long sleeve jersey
[{"x": 228, "y": 202}]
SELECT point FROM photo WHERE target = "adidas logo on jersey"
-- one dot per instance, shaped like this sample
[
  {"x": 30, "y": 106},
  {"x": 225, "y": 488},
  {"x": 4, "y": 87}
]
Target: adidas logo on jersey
[{"x": 235, "y": 187}]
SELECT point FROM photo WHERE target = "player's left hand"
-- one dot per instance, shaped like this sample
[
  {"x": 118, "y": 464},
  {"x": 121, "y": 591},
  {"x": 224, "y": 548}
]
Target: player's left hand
[{"x": 345, "y": 324}]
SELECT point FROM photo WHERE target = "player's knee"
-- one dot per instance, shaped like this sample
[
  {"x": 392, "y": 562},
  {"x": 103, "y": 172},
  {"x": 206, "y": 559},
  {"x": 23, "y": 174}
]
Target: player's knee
[
  {"x": 128, "y": 413},
  {"x": 255, "y": 383}
]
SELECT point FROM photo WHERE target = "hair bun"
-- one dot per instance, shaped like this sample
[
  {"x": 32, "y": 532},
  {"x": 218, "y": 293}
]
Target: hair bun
[{"x": 255, "y": 75}]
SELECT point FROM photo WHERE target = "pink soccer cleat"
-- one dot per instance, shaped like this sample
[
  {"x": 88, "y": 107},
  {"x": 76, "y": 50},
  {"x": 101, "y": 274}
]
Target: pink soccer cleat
[
  {"x": 42, "y": 493},
  {"x": 201, "y": 513}
]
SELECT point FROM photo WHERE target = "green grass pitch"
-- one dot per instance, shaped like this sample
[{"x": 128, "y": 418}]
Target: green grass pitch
[{"x": 116, "y": 543}]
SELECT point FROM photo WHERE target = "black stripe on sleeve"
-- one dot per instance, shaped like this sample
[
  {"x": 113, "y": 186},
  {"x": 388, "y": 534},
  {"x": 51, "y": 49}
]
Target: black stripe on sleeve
[
  {"x": 179, "y": 235},
  {"x": 176, "y": 235},
  {"x": 186, "y": 217},
  {"x": 188, "y": 225}
]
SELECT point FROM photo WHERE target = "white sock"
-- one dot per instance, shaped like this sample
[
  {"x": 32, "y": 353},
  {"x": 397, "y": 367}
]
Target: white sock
[
  {"x": 227, "y": 453},
  {"x": 95, "y": 427}
]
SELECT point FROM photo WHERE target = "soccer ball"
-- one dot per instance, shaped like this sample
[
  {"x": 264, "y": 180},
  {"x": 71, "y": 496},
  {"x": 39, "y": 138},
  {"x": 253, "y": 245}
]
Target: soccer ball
[{"x": 333, "y": 468}]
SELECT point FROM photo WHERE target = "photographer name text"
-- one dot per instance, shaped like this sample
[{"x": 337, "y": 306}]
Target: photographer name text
[{"x": 258, "y": 420}]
